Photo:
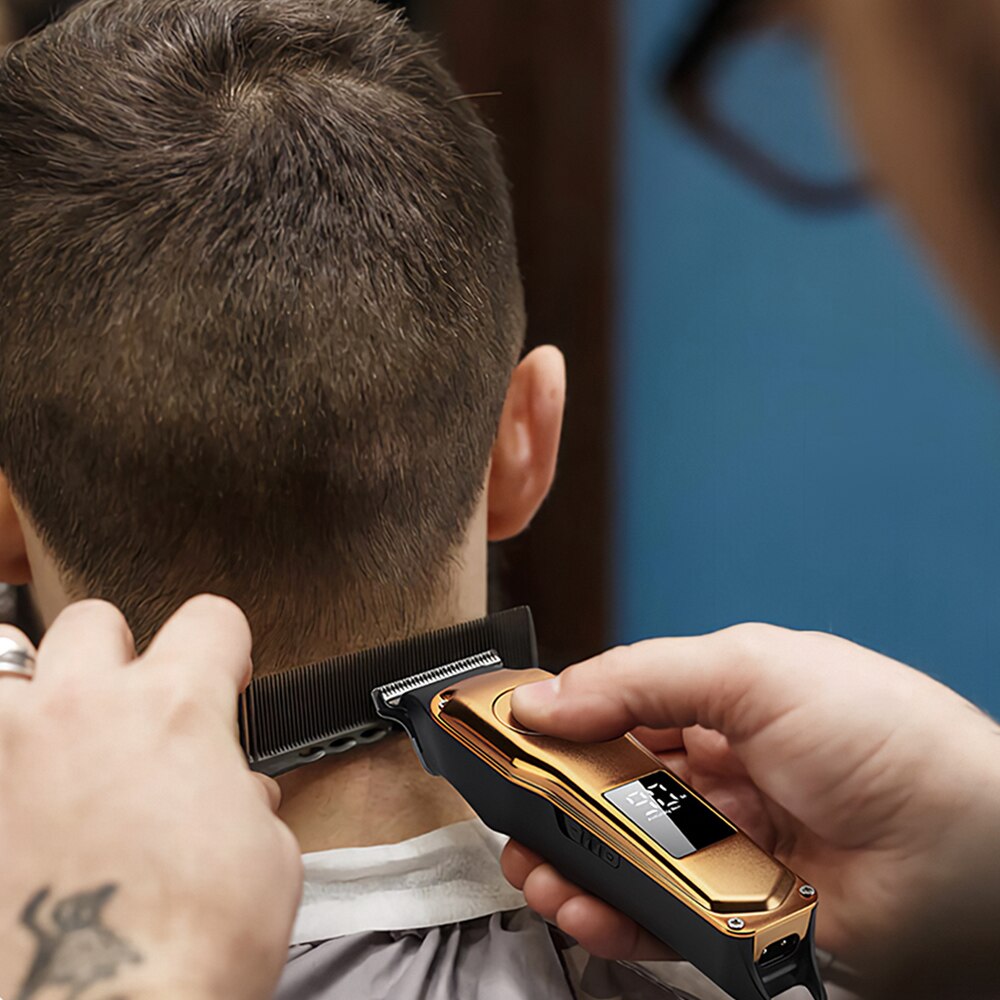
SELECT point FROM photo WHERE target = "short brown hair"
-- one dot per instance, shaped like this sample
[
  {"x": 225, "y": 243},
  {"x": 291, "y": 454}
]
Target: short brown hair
[{"x": 259, "y": 306}]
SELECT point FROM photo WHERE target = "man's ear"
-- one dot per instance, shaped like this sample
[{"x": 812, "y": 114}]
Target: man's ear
[
  {"x": 523, "y": 462},
  {"x": 14, "y": 566}
]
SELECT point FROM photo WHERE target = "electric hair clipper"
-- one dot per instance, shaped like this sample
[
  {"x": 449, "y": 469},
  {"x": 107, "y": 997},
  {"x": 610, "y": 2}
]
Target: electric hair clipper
[
  {"x": 608, "y": 816},
  {"x": 613, "y": 820}
]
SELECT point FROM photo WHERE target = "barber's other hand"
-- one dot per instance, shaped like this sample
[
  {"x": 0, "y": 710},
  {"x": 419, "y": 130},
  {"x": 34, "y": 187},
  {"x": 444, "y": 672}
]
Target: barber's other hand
[
  {"x": 141, "y": 857},
  {"x": 871, "y": 780}
]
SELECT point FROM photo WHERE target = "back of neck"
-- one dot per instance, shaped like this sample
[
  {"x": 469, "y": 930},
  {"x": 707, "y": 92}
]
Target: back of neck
[{"x": 378, "y": 795}]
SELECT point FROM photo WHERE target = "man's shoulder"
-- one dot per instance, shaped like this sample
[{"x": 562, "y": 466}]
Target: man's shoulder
[
  {"x": 510, "y": 955},
  {"x": 433, "y": 918}
]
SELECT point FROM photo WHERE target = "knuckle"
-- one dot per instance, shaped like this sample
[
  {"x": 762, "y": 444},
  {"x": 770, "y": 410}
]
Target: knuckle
[
  {"x": 93, "y": 611},
  {"x": 824, "y": 638},
  {"x": 215, "y": 606},
  {"x": 617, "y": 656},
  {"x": 611, "y": 667},
  {"x": 621, "y": 664},
  {"x": 178, "y": 703},
  {"x": 613, "y": 660},
  {"x": 755, "y": 640}
]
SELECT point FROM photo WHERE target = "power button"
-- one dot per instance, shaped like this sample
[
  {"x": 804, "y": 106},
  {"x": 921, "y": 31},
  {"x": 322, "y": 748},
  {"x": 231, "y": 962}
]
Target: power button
[{"x": 504, "y": 715}]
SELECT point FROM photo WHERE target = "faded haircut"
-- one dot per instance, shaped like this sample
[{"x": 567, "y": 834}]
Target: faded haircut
[{"x": 259, "y": 307}]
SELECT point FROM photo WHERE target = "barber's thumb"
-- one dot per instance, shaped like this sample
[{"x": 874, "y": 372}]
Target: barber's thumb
[
  {"x": 576, "y": 705},
  {"x": 535, "y": 704}
]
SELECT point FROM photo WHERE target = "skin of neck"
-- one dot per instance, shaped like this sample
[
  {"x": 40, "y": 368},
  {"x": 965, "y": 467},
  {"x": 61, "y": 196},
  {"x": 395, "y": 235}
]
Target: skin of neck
[
  {"x": 379, "y": 795},
  {"x": 383, "y": 795}
]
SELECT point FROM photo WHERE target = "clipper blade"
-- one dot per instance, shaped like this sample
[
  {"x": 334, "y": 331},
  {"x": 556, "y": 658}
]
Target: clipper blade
[
  {"x": 389, "y": 694},
  {"x": 301, "y": 715}
]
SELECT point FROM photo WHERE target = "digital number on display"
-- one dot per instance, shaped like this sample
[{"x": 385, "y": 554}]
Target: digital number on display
[{"x": 677, "y": 820}]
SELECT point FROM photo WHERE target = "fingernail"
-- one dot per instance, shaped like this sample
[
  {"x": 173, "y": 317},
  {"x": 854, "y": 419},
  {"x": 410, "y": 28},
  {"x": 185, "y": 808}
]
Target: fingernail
[{"x": 535, "y": 697}]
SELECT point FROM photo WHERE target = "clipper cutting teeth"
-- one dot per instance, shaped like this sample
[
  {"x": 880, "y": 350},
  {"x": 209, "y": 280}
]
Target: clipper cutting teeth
[{"x": 389, "y": 694}]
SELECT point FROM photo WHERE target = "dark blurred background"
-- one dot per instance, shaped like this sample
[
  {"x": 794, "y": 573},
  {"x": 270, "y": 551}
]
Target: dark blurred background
[{"x": 775, "y": 413}]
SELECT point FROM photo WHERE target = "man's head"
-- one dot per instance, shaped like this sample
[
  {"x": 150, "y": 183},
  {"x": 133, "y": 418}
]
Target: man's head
[{"x": 260, "y": 310}]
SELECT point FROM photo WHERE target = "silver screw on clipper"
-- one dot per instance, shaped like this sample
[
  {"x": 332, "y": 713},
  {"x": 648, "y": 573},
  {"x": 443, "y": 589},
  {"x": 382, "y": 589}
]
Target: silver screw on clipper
[
  {"x": 735, "y": 924},
  {"x": 808, "y": 891}
]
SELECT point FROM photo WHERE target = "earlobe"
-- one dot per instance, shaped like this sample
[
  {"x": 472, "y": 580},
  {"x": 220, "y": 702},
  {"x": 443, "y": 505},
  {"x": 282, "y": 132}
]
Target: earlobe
[
  {"x": 523, "y": 461},
  {"x": 14, "y": 566}
]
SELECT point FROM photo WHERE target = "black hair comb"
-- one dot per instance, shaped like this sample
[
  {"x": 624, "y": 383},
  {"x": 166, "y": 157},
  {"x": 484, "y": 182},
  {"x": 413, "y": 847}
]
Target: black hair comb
[{"x": 310, "y": 712}]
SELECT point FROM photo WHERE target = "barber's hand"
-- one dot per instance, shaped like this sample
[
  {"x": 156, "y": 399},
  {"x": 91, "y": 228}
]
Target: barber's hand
[
  {"x": 871, "y": 780},
  {"x": 140, "y": 856}
]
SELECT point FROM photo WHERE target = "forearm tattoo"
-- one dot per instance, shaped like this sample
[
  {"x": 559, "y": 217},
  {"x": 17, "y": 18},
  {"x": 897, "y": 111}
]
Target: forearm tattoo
[{"x": 74, "y": 948}]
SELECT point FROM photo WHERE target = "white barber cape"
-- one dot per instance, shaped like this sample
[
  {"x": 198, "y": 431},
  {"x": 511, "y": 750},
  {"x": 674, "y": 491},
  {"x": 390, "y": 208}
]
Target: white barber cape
[{"x": 434, "y": 919}]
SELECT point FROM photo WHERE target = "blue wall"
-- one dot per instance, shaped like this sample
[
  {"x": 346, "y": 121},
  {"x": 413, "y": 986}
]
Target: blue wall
[{"x": 807, "y": 433}]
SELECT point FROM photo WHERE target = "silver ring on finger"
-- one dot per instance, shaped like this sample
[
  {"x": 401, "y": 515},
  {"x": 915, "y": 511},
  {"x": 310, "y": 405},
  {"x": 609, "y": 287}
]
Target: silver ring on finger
[{"x": 15, "y": 659}]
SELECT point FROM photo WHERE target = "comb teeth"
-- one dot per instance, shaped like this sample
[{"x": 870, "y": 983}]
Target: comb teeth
[
  {"x": 297, "y": 716},
  {"x": 391, "y": 693}
]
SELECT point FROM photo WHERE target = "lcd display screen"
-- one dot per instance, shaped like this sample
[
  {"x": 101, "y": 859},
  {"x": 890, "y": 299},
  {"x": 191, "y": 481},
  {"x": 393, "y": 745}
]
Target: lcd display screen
[{"x": 664, "y": 809}]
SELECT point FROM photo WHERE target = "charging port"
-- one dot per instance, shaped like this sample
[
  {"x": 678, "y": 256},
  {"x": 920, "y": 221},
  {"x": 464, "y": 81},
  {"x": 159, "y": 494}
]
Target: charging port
[{"x": 780, "y": 951}]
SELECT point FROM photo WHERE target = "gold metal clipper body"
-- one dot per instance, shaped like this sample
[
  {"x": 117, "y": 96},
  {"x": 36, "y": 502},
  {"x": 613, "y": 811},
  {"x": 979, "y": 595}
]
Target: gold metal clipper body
[{"x": 611, "y": 818}]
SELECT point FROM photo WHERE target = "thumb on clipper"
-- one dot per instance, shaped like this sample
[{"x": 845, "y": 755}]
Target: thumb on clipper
[
  {"x": 603, "y": 697},
  {"x": 659, "y": 683}
]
